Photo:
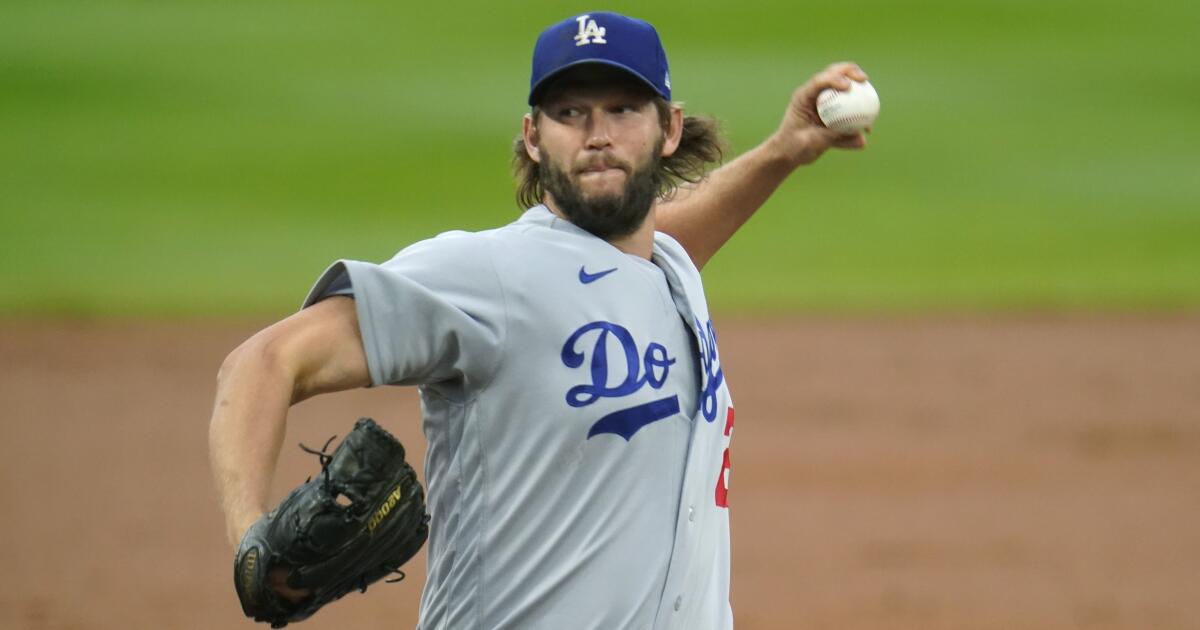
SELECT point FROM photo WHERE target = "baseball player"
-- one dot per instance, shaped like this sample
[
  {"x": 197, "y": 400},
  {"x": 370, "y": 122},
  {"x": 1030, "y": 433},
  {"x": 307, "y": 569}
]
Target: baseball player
[{"x": 576, "y": 410}]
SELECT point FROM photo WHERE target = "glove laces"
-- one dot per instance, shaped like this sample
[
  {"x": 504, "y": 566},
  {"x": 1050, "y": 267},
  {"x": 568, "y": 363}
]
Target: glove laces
[
  {"x": 322, "y": 456},
  {"x": 325, "y": 458}
]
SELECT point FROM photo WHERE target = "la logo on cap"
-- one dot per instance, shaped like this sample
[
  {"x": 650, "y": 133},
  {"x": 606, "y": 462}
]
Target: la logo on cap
[{"x": 589, "y": 32}]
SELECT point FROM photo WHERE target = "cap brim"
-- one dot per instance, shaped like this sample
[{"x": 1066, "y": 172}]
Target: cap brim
[{"x": 536, "y": 93}]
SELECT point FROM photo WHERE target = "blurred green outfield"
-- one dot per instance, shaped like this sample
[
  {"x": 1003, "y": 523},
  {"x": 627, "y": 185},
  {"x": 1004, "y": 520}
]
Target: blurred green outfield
[{"x": 175, "y": 158}]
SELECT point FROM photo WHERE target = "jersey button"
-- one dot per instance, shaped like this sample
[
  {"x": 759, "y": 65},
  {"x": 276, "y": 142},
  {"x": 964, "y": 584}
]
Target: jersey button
[
  {"x": 678, "y": 603},
  {"x": 691, "y": 513}
]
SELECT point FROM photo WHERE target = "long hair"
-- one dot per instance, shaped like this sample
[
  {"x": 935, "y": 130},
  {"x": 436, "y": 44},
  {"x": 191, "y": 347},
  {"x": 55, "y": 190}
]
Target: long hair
[{"x": 702, "y": 144}]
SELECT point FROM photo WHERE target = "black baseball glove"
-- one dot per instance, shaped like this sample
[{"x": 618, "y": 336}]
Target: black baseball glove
[{"x": 358, "y": 521}]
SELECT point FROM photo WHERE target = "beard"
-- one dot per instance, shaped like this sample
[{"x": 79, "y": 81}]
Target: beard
[{"x": 604, "y": 216}]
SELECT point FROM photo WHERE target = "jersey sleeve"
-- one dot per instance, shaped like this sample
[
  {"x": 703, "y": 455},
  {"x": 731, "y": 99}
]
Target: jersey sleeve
[{"x": 434, "y": 313}]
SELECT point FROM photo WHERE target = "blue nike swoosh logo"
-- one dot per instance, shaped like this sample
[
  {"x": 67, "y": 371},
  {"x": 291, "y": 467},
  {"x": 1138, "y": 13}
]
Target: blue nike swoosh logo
[{"x": 588, "y": 278}]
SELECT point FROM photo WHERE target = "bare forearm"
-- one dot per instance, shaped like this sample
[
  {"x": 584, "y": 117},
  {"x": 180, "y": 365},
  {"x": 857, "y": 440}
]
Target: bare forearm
[
  {"x": 705, "y": 216},
  {"x": 246, "y": 432},
  {"x": 315, "y": 351}
]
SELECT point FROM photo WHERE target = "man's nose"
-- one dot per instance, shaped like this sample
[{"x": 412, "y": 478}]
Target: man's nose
[{"x": 598, "y": 130}]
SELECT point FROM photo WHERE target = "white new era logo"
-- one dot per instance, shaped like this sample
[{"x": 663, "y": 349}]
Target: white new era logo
[{"x": 589, "y": 33}]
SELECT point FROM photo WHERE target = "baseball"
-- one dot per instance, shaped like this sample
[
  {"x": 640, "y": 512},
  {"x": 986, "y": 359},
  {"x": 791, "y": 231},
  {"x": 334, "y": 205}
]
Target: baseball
[{"x": 850, "y": 111}]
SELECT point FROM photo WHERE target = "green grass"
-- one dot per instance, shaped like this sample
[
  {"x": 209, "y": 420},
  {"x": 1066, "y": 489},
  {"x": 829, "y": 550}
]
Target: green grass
[{"x": 212, "y": 158}]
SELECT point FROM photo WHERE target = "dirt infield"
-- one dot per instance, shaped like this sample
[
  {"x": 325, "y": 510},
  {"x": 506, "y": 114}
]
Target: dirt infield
[{"x": 1017, "y": 472}]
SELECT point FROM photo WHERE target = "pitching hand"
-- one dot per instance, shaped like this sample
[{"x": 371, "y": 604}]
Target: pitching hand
[{"x": 802, "y": 136}]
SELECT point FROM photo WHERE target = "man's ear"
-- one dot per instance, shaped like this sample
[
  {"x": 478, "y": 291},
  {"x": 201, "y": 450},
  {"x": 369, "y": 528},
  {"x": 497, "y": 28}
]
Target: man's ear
[
  {"x": 529, "y": 134},
  {"x": 674, "y": 131}
]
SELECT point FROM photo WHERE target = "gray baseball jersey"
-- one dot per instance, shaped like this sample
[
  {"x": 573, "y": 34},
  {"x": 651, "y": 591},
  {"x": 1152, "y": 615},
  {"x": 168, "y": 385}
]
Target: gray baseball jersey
[{"x": 577, "y": 421}]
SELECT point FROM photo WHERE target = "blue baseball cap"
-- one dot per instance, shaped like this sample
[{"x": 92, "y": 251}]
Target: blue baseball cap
[{"x": 600, "y": 37}]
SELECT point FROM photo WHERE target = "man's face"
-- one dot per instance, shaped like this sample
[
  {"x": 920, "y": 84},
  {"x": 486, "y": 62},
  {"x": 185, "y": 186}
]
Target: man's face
[{"x": 600, "y": 142}]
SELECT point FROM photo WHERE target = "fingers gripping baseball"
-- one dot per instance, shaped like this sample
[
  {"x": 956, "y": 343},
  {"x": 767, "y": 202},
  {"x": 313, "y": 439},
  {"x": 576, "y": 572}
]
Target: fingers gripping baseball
[
  {"x": 836, "y": 76},
  {"x": 802, "y": 134}
]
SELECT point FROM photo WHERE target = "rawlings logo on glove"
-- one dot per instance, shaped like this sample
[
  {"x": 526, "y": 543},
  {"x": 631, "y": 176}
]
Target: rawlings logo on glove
[{"x": 357, "y": 522}]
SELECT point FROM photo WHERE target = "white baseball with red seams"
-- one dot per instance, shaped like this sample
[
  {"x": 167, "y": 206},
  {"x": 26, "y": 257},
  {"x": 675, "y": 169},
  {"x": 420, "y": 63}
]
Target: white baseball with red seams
[{"x": 850, "y": 111}]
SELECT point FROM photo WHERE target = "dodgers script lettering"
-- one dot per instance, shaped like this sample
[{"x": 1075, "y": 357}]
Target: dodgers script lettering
[
  {"x": 714, "y": 375},
  {"x": 641, "y": 368}
]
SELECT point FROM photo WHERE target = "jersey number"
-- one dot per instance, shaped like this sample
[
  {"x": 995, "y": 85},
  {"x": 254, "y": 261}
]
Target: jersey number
[{"x": 723, "y": 479}]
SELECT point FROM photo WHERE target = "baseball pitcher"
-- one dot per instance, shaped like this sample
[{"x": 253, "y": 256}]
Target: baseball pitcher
[{"x": 576, "y": 409}]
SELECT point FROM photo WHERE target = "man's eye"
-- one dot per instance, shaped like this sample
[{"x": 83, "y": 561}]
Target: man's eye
[{"x": 568, "y": 112}]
